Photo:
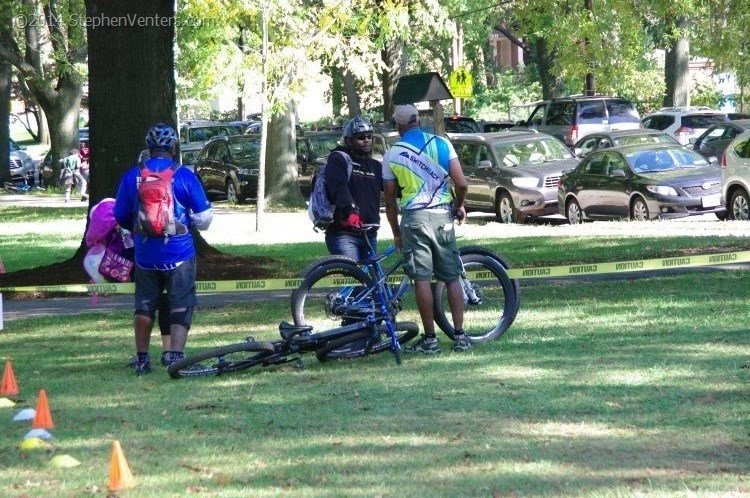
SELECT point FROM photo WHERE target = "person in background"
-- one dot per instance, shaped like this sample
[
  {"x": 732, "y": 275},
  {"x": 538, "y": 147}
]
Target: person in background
[
  {"x": 70, "y": 175},
  {"x": 356, "y": 197},
  {"x": 164, "y": 262},
  {"x": 83, "y": 154},
  {"x": 421, "y": 165}
]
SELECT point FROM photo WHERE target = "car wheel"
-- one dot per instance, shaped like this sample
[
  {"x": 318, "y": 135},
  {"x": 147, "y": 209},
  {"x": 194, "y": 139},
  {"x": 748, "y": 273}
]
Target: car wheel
[
  {"x": 573, "y": 212},
  {"x": 505, "y": 210},
  {"x": 739, "y": 206},
  {"x": 233, "y": 196},
  {"x": 639, "y": 210}
]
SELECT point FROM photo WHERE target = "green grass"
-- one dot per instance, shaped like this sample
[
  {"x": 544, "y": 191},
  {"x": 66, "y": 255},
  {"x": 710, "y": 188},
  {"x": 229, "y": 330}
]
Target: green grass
[{"x": 640, "y": 392}]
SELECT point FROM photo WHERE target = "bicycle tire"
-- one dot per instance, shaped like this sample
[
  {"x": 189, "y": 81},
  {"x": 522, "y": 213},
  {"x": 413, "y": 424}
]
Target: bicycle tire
[
  {"x": 324, "y": 306},
  {"x": 515, "y": 283},
  {"x": 260, "y": 351},
  {"x": 490, "y": 319},
  {"x": 354, "y": 346}
]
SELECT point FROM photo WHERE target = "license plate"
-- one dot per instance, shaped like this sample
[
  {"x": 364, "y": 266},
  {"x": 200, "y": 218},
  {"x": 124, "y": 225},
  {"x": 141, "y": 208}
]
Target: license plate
[{"x": 711, "y": 200}]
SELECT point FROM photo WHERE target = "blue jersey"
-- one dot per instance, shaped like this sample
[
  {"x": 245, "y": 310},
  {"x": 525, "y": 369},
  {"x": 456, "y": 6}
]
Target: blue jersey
[{"x": 162, "y": 253}]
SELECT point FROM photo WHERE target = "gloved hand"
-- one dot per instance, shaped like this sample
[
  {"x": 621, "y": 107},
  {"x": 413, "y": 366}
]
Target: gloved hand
[
  {"x": 353, "y": 221},
  {"x": 459, "y": 214}
]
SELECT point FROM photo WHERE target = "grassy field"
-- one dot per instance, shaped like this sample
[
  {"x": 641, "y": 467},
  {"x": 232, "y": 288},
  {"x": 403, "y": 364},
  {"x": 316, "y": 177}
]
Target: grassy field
[{"x": 599, "y": 389}]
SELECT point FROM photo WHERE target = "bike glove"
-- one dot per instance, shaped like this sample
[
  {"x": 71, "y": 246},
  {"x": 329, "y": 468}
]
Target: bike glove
[{"x": 353, "y": 221}]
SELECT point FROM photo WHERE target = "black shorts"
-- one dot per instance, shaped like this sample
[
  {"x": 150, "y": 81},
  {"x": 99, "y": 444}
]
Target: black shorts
[{"x": 179, "y": 284}]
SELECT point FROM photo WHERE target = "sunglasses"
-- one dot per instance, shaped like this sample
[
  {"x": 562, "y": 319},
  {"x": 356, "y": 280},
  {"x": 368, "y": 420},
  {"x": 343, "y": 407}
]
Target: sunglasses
[{"x": 363, "y": 136}]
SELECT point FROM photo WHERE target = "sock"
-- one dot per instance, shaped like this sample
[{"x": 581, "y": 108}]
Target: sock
[
  {"x": 459, "y": 332},
  {"x": 430, "y": 336},
  {"x": 143, "y": 357}
]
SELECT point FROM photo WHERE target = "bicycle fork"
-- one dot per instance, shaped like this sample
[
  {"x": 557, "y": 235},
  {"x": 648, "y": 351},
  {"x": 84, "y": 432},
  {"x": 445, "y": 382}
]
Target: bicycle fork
[{"x": 471, "y": 296}]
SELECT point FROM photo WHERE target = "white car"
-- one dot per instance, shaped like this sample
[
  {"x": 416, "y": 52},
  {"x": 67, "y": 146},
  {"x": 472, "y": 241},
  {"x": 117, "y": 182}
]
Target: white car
[
  {"x": 21, "y": 164},
  {"x": 684, "y": 123},
  {"x": 735, "y": 178}
]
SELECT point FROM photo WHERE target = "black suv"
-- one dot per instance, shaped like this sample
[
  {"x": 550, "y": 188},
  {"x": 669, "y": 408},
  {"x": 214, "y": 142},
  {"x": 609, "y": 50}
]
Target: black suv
[{"x": 572, "y": 118}]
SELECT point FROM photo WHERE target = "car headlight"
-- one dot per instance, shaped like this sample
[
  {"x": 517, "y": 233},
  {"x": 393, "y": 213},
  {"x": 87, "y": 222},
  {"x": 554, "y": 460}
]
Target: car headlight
[
  {"x": 661, "y": 190},
  {"x": 525, "y": 182},
  {"x": 248, "y": 171}
]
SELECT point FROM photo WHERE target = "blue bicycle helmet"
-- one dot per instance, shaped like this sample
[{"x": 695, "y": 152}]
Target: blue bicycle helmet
[
  {"x": 357, "y": 125},
  {"x": 161, "y": 136}
]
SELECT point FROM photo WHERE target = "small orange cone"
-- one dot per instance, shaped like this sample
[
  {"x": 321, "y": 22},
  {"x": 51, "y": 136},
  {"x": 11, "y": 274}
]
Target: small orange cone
[
  {"x": 9, "y": 386},
  {"x": 119, "y": 471},
  {"x": 43, "y": 418}
]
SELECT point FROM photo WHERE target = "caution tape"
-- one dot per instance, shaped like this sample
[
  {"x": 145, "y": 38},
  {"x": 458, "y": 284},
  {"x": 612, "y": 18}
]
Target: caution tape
[{"x": 226, "y": 286}]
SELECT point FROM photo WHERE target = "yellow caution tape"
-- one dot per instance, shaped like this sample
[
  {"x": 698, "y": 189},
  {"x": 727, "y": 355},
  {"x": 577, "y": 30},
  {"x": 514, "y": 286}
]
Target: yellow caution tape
[{"x": 224, "y": 286}]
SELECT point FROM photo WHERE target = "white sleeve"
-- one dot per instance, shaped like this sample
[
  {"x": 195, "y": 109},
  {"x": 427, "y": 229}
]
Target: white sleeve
[
  {"x": 203, "y": 219},
  {"x": 388, "y": 175}
]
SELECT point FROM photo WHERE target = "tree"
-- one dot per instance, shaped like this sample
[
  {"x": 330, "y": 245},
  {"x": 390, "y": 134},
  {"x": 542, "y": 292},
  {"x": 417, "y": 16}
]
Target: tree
[
  {"x": 131, "y": 91},
  {"x": 6, "y": 74},
  {"x": 56, "y": 85}
]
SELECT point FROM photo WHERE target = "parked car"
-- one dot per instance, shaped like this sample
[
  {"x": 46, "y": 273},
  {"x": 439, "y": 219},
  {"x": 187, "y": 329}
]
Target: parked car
[
  {"x": 572, "y": 118},
  {"x": 641, "y": 182},
  {"x": 735, "y": 178},
  {"x": 493, "y": 126},
  {"x": 195, "y": 134},
  {"x": 737, "y": 115},
  {"x": 713, "y": 141},
  {"x": 21, "y": 164},
  {"x": 684, "y": 123},
  {"x": 512, "y": 173},
  {"x": 605, "y": 140},
  {"x": 227, "y": 166},
  {"x": 461, "y": 124}
]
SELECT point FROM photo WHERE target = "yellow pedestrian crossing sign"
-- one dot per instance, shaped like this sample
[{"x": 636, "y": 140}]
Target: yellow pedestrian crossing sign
[{"x": 461, "y": 83}]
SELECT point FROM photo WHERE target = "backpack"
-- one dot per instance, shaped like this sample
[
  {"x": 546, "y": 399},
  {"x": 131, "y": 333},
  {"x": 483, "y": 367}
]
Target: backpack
[
  {"x": 155, "y": 216},
  {"x": 320, "y": 209}
]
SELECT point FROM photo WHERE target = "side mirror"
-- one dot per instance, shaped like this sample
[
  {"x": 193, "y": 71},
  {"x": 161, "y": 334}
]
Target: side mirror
[
  {"x": 578, "y": 152},
  {"x": 693, "y": 140},
  {"x": 484, "y": 164},
  {"x": 713, "y": 160},
  {"x": 618, "y": 173}
]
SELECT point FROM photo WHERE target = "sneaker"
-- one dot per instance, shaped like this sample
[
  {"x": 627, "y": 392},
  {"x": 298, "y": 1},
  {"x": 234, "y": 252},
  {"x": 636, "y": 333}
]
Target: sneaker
[
  {"x": 165, "y": 358},
  {"x": 133, "y": 362},
  {"x": 462, "y": 343},
  {"x": 143, "y": 367},
  {"x": 426, "y": 345}
]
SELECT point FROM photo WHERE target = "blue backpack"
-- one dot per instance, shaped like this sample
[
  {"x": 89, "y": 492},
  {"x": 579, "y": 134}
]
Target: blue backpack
[{"x": 320, "y": 209}]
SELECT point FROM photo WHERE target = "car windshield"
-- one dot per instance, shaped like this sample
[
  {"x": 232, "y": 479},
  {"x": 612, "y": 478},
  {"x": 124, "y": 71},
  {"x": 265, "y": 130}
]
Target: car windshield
[
  {"x": 644, "y": 161},
  {"x": 323, "y": 144},
  {"x": 13, "y": 146},
  {"x": 205, "y": 133},
  {"x": 245, "y": 153},
  {"x": 643, "y": 139},
  {"x": 531, "y": 152}
]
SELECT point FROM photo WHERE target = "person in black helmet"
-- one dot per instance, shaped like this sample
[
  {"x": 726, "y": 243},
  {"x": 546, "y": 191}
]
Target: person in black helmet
[{"x": 357, "y": 198}]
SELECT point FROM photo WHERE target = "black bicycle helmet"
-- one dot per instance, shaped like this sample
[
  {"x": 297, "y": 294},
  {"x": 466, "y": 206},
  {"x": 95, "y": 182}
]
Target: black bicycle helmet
[{"x": 357, "y": 125}]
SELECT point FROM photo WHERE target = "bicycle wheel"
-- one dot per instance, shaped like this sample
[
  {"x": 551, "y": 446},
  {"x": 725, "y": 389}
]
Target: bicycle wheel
[
  {"x": 515, "y": 284},
  {"x": 224, "y": 359},
  {"x": 355, "y": 345},
  {"x": 332, "y": 294},
  {"x": 493, "y": 313}
]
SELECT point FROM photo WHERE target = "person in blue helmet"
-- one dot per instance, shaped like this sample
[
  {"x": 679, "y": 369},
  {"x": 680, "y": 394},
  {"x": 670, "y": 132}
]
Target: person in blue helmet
[
  {"x": 164, "y": 262},
  {"x": 356, "y": 196}
]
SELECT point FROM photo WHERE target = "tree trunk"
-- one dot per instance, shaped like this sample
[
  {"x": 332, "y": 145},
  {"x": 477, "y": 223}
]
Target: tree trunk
[
  {"x": 392, "y": 56},
  {"x": 676, "y": 67},
  {"x": 337, "y": 91},
  {"x": 131, "y": 87},
  {"x": 352, "y": 96},
  {"x": 6, "y": 74},
  {"x": 551, "y": 85},
  {"x": 281, "y": 161}
]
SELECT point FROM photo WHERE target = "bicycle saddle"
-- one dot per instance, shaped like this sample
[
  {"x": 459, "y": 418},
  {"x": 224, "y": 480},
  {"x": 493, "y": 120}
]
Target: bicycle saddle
[{"x": 289, "y": 330}]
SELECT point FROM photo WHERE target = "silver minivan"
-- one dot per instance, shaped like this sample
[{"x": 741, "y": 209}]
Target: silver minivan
[
  {"x": 572, "y": 118},
  {"x": 735, "y": 178}
]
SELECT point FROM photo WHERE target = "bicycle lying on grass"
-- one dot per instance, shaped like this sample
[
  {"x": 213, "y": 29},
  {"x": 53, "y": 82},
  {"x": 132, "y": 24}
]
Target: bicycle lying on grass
[
  {"x": 337, "y": 289},
  {"x": 295, "y": 340}
]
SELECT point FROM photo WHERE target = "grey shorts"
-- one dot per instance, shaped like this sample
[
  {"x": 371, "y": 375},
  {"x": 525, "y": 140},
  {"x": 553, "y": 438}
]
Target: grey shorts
[
  {"x": 430, "y": 245},
  {"x": 179, "y": 284}
]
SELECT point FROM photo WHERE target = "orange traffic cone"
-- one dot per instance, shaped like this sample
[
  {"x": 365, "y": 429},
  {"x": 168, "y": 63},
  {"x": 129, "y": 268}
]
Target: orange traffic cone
[
  {"x": 9, "y": 386},
  {"x": 119, "y": 471},
  {"x": 43, "y": 418}
]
